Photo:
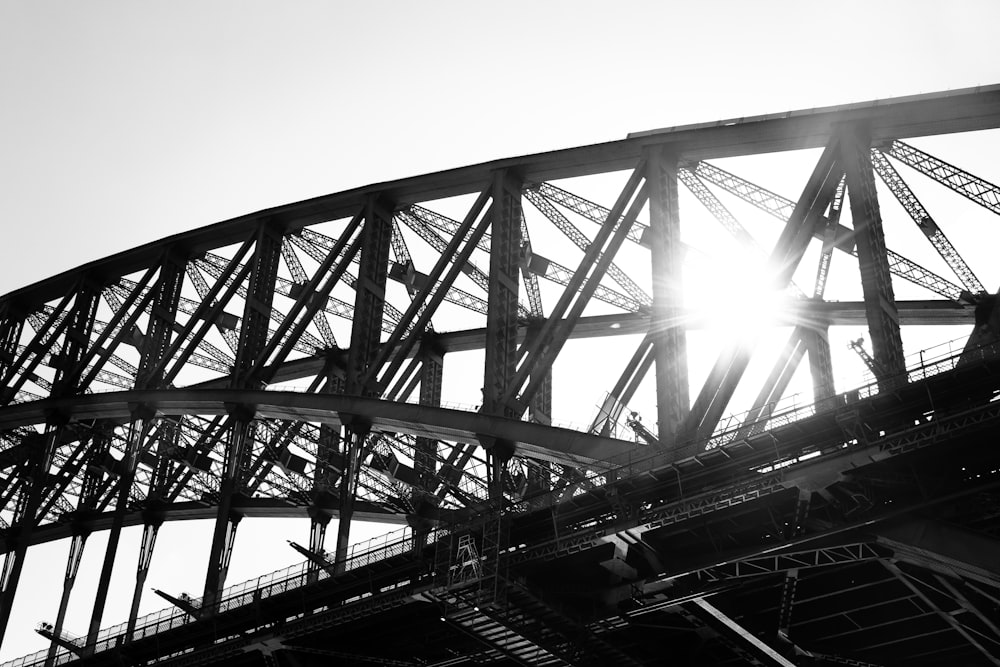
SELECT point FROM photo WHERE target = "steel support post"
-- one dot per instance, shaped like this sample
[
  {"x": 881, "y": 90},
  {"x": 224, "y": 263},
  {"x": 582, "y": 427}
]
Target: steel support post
[
  {"x": 80, "y": 324},
  {"x": 431, "y": 381},
  {"x": 787, "y": 602},
  {"x": 77, "y": 339},
  {"x": 228, "y": 515},
  {"x": 149, "y": 532},
  {"x": 666, "y": 324},
  {"x": 26, "y": 516},
  {"x": 425, "y": 449},
  {"x": 253, "y": 338},
  {"x": 500, "y": 366},
  {"x": 501, "y": 320},
  {"x": 539, "y": 473},
  {"x": 369, "y": 303},
  {"x": 369, "y": 308},
  {"x": 325, "y": 473},
  {"x": 76, "y": 545},
  {"x": 91, "y": 491},
  {"x": 163, "y": 315},
  {"x": 11, "y": 326},
  {"x": 162, "y": 319},
  {"x": 355, "y": 433},
  {"x": 257, "y": 307},
  {"x": 876, "y": 283},
  {"x": 142, "y": 421},
  {"x": 817, "y": 341}
]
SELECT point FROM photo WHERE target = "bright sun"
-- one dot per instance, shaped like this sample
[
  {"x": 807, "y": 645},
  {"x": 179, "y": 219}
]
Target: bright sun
[{"x": 733, "y": 293}]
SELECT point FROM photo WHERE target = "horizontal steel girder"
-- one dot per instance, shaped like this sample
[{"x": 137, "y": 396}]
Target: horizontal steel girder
[{"x": 537, "y": 441}]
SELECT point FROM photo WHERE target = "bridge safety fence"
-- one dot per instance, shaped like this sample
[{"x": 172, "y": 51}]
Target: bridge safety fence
[{"x": 359, "y": 555}]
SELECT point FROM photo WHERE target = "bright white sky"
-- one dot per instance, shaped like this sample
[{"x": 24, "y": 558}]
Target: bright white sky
[{"x": 124, "y": 122}]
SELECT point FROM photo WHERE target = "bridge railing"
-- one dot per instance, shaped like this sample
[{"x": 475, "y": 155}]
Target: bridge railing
[
  {"x": 360, "y": 555},
  {"x": 926, "y": 363}
]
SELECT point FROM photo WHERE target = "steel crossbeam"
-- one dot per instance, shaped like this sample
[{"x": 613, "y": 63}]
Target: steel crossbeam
[
  {"x": 972, "y": 187},
  {"x": 923, "y": 220}
]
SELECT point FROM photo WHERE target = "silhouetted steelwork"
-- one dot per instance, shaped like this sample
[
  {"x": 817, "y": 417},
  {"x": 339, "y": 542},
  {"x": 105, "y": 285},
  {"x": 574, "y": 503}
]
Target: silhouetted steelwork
[{"x": 203, "y": 377}]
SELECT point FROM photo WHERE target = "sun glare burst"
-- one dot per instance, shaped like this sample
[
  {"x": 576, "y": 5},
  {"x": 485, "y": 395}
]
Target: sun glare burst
[{"x": 734, "y": 293}]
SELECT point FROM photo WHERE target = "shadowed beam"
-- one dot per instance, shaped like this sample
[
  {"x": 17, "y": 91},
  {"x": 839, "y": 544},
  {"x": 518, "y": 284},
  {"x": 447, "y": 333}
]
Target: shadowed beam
[
  {"x": 737, "y": 633},
  {"x": 263, "y": 508},
  {"x": 537, "y": 441},
  {"x": 944, "y": 548}
]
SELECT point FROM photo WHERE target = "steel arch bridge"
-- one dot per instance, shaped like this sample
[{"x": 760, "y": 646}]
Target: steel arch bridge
[{"x": 295, "y": 363}]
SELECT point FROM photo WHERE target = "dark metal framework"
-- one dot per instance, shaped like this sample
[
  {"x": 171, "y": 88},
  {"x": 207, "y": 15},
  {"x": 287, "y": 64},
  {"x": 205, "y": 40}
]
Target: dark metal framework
[{"x": 202, "y": 377}]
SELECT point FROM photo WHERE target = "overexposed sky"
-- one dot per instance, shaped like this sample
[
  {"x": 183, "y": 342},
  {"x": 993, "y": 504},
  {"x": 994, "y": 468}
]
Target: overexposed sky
[{"x": 122, "y": 122}]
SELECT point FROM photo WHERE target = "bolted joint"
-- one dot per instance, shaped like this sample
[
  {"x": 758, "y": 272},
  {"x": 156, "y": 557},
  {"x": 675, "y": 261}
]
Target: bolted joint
[
  {"x": 241, "y": 412},
  {"x": 56, "y": 417},
  {"x": 142, "y": 411},
  {"x": 319, "y": 515},
  {"x": 498, "y": 447},
  {"x": 358, "y": 425}
]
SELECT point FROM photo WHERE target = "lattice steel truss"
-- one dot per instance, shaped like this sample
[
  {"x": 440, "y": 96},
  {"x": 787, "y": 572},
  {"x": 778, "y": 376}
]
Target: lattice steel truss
[{"x": 285, "y": 364}]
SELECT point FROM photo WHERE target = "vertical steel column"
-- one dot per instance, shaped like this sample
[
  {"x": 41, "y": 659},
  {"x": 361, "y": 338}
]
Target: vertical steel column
[
  {"x": 369, "y": 307},
  {"x": 539, "y": 477},
  {"x": 26, "y": 515},
  {"x": 541, "y": 402},
  {"x": 425, "y": 449},
  {"x": 141, "y": 422},
  {"x": 326, "y": 471},
  {"x": 500, "y": 367},
  {"x": 876, "y": 283},
  {"x": 77, "y": 542},
  {"x": 666, "y": 331},
  {"x": 431, "y": 380},
  {"x": 150, "y": 528},
  {"x": 162, "y": 317},
  {"x": 77, "y": 338},
  {"x": 501, "y": 318},
  {"x": 369, "y": 302},
  {"x": 817, "y": 342},
  {"x": 253, "y": 338},
  {"x": 355, "y": 433},
  {"x": 90, "y": 493},
  {"x": 11, "y": 325}
]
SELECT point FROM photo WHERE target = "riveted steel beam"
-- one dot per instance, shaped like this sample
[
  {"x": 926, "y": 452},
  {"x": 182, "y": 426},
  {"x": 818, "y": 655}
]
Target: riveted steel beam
[
  {"x": 666, "y": 327},
  {"x": 876, "y": 284}
]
